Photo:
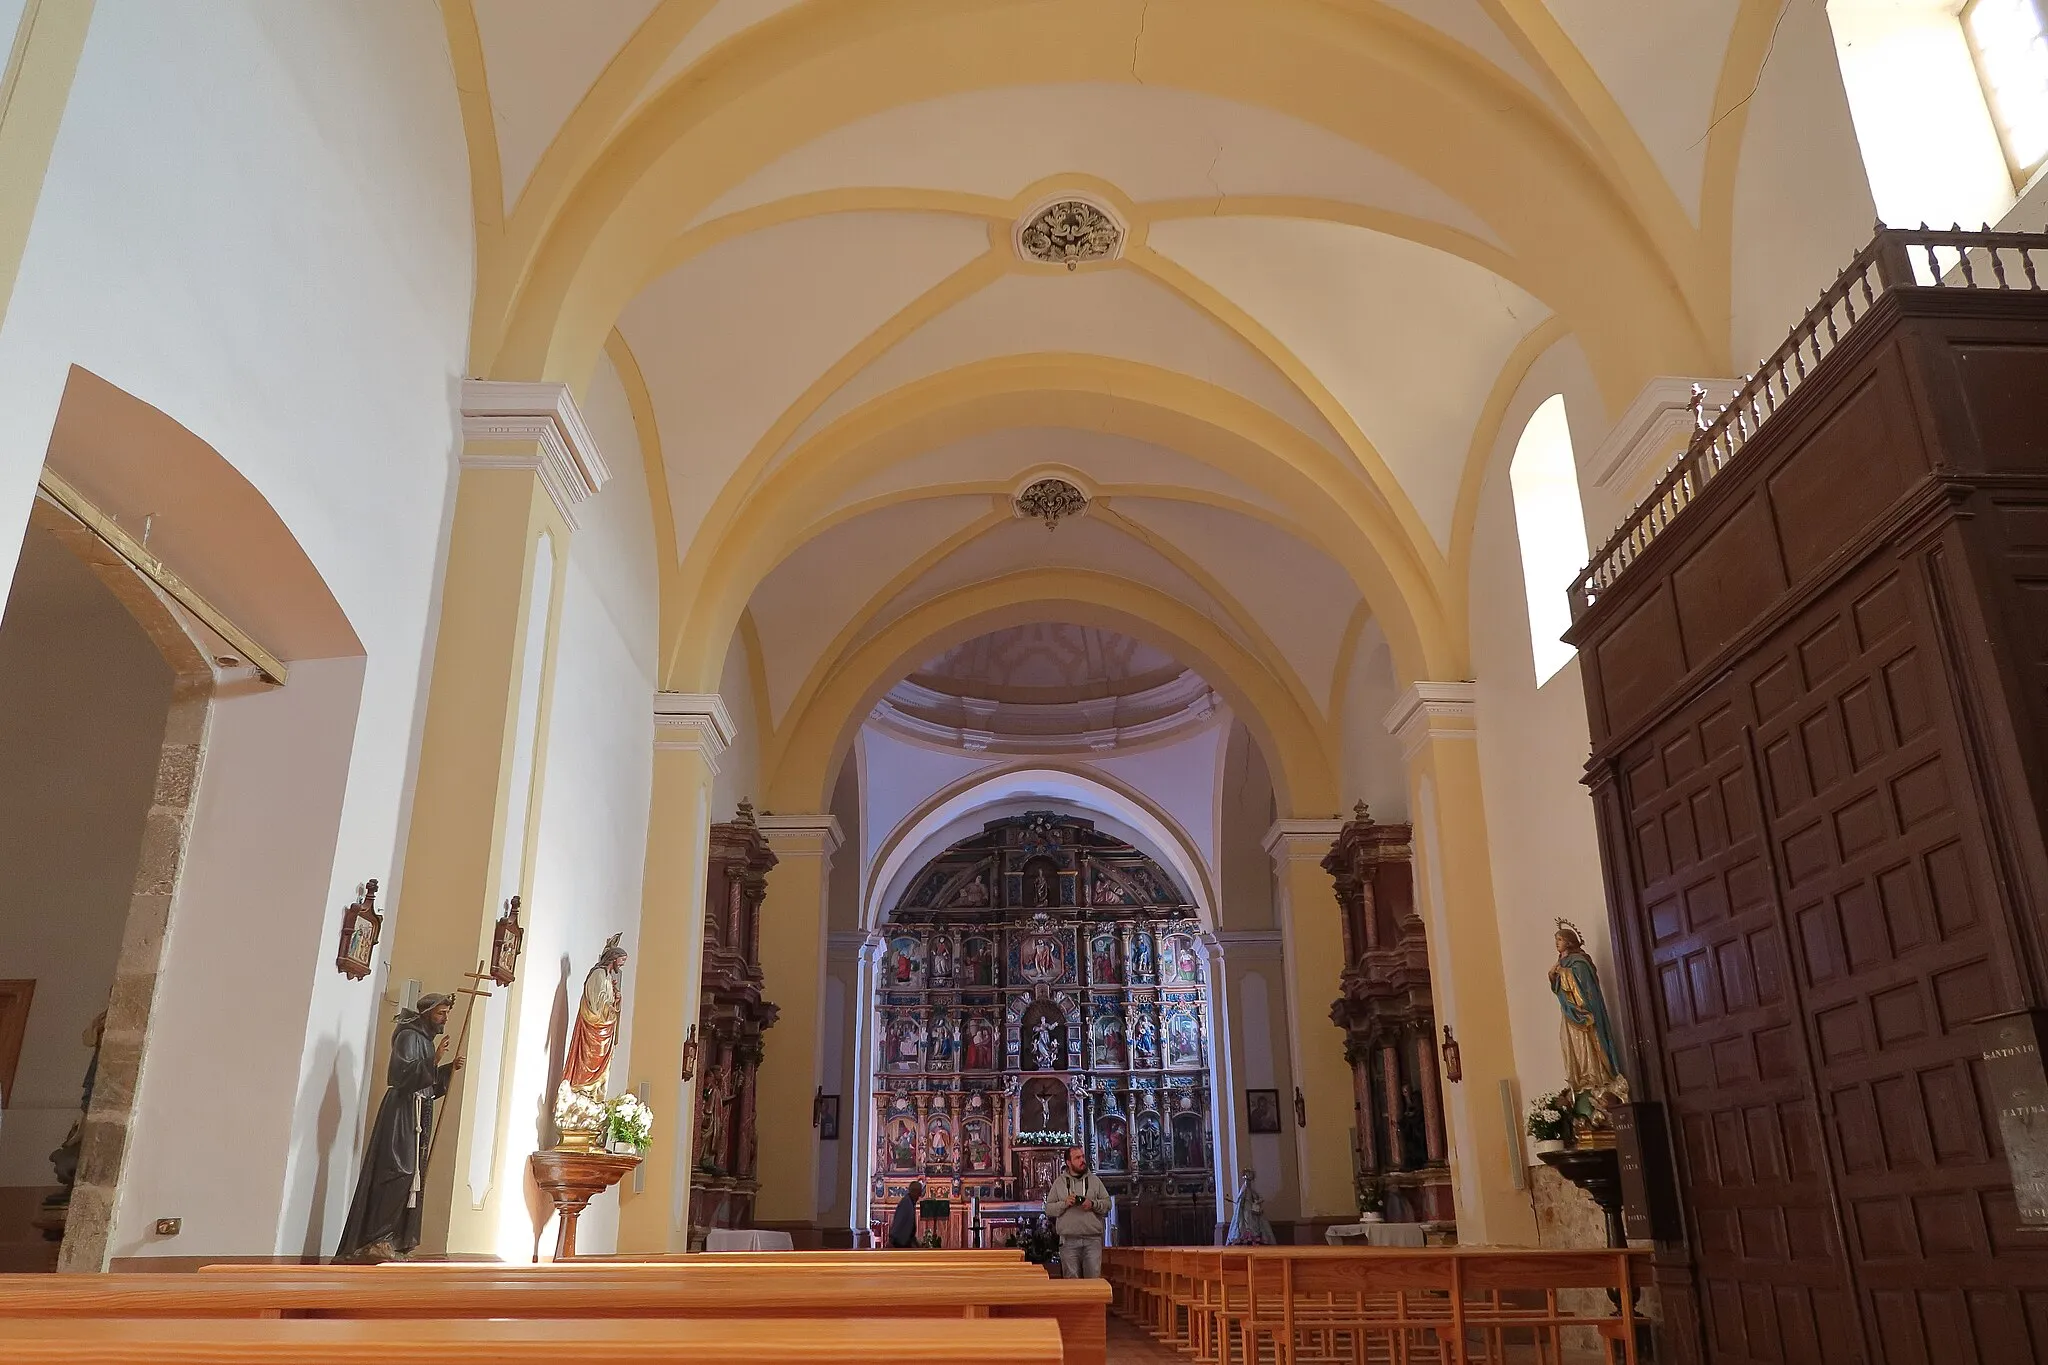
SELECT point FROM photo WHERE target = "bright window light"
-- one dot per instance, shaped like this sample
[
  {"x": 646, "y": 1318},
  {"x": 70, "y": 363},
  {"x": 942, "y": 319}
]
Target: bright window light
[
  {"x": 2009, "y": 39},
  {"x": 1552, "y": 528}
]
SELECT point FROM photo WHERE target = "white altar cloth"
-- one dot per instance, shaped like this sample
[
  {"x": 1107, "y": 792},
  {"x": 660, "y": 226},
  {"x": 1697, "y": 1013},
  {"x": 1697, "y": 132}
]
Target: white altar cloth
[
  {"x": 747, "y": 1239},
  {"x": 1375, "y": 1234}
]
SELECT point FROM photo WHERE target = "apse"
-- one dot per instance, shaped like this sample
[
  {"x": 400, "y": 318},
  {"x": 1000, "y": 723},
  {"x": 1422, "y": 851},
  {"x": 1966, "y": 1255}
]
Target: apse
[{"x": 1039, "y": 985}]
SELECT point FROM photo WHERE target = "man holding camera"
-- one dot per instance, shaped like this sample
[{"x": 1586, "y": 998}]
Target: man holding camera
[{"x": 1077, "y": 1204}]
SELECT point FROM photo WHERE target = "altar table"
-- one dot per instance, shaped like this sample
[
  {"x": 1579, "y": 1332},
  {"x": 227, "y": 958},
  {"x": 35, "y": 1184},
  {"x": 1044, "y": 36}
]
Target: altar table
[
  {"x": 748, "y": 1239},
  {"x": 1375, "y": 1234}
]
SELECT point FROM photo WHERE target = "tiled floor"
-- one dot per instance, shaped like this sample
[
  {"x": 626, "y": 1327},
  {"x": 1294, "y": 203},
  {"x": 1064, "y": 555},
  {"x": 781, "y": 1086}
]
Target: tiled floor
[{"x": 1130, "y": 1345}]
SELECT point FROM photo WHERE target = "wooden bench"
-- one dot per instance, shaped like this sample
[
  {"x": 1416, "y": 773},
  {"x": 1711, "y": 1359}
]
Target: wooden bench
[
  {"x": 626, "y": 1342},
  {"x": 1021, "y": 1292}
]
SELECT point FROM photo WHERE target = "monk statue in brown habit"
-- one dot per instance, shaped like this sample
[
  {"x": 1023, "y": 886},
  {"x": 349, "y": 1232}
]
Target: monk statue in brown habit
[
  {"x": 580, "y": 1100},
  {"x": 384, "y": 1221}
]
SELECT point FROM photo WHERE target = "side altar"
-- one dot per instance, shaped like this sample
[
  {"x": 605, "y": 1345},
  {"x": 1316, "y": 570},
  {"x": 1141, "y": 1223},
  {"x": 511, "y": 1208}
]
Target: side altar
[
  {"x": 731, "y": 1017},
  {"x": 1389, "y": 1020}
]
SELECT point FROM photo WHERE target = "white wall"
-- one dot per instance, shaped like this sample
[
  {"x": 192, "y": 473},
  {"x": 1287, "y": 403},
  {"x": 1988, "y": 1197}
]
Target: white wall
[
  {"x": 83, "y": 695},
  {"x": 1533, "y": 745},
  {"x": 257, "y": 219},
  {"x": 1802, "y": 202},
  {"x": 591, "y": 842},
  {"x": 1245, "y": 812},
  {"x": 1373, "y": 770}
]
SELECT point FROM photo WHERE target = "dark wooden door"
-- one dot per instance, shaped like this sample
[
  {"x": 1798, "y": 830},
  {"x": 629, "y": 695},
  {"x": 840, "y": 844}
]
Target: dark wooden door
[
  {"x": 1815, "y": 901},
  {"x": 1771, "y": 1281}
]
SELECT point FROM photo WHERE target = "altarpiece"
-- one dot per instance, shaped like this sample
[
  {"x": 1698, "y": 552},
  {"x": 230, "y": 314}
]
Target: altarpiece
[{"x": 1044, "y": 984}]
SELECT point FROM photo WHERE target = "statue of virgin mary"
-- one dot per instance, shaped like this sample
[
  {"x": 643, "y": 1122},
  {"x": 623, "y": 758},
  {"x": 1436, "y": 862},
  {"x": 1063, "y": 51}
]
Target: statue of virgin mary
[{"x": 1592, "y": 1060}]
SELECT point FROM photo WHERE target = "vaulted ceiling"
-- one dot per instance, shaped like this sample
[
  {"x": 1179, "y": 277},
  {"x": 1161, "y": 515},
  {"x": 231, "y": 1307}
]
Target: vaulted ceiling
[{"x": 1346, "y": 225}]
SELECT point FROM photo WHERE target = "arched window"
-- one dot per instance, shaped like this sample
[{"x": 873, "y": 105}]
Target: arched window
[
  {"x": 2009, "y": 39},
  {"x": 1950, "y": 103},
  {"x": 1551, "y": 527}
]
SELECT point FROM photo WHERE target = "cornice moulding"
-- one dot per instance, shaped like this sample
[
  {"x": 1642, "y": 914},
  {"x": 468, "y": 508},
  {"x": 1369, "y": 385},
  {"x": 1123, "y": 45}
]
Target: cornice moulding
[
  {"x": 1422, "y": 713},
  {"x": 786, "y": 832},
  {"x": 1297, "y": 840},
  {"x": 563, "y": 455},
  {"x": 1649, "y": 425},
  {"x": 696, "y": 721}
]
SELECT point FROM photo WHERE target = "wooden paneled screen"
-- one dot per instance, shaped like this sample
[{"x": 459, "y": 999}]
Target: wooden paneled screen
[{"x": 1820, "y": 765}]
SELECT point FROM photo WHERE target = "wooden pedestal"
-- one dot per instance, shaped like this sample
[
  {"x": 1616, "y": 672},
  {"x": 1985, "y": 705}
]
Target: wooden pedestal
[{"x": 571, "y": 1180}]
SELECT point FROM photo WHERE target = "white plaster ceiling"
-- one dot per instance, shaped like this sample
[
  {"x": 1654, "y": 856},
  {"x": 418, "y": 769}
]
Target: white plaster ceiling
[
  {"x": 800, "y": 607},
  {"x": 1047, "y": 661},
  {"x": 1000, "y": 458},
  {"x": 1086, "y": 542},
  {"x": 730, "y": 339},
  {"x": 541, "y": 57},
  {"x": 1168, "y": 145},
  {"x": 1119, "y": 313},
  {"x": 1300, "y": 598},
  {"x": 1661, "y": 62},
  {"x": 1409, "y": 339}
]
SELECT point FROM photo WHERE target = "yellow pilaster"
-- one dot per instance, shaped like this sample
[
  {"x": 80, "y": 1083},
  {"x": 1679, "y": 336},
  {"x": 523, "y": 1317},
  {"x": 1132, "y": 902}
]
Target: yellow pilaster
[
  {"x": 527, "y": 460},
  {"x": 1312, "y": 943},
  {"x": 1454, "y": 887},
  {"x": 40, "y": 61},
  {"x": 690, "y": 731},
  {"x": 793, "y": 945}
]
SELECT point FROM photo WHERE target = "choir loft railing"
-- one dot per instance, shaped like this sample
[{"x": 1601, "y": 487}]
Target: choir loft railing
[{"x": 1922, "y": 257}]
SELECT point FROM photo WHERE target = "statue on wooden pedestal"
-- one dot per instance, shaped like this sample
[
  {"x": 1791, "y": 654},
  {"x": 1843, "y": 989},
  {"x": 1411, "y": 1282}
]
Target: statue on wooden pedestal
[
  {"x": 384, "y": 1220},
  {"x": 580, "y": 1100}
]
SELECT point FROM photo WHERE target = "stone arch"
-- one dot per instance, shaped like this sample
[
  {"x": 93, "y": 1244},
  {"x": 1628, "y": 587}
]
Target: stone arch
[{"x": 116, "y": 459}]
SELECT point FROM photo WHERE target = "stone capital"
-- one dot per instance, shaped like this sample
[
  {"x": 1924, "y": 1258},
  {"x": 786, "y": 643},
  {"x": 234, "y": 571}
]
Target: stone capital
[
  {"x": 537, "y": 427},
  {"x": 1433, "y": 710},
  {"x": 694, "y": 721},
  {"x": 1651, "y": 432},
  {"x": 802, "y": 836},
  {"x": 1300, "y": 841}
]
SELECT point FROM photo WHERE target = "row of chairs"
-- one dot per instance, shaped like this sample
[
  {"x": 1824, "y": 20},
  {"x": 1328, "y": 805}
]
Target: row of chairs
[{"x": 1374, "y": 1306}]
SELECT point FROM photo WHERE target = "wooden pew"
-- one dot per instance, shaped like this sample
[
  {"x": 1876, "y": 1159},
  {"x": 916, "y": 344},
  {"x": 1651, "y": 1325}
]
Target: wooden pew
[
  {"x": 1011, "y": 1293},
  {"x": 627, "y": 1342}
]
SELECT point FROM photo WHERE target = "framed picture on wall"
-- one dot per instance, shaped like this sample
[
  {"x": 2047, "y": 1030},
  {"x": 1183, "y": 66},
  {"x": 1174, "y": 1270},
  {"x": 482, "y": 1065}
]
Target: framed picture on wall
[
  {"x": 828, "y": 1118},
  {"x": 1262, "y": 1111}
]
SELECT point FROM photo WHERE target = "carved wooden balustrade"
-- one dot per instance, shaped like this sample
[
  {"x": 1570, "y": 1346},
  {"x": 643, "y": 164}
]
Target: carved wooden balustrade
[{"x": 1922, "y": 257}]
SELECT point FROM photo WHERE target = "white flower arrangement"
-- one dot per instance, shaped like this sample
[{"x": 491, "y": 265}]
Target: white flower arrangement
[
  {"x": 628, "y": 1120},
  {"x": 1550, "y": 1117},
  {"x": 577, "y": 1112}
]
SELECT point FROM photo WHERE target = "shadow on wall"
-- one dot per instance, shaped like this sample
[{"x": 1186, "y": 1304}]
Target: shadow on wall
[
  {"x": 538, "y": 1207},
  {"x": 342, "y": 1084}
]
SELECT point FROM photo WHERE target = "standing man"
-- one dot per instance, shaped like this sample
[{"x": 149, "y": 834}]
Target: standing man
[{"x": 1077, "y": 1204}]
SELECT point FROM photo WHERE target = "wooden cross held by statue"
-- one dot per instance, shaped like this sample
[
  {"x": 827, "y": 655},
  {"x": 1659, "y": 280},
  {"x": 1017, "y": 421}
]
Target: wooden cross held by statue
[{"x": 476, "y": 991}]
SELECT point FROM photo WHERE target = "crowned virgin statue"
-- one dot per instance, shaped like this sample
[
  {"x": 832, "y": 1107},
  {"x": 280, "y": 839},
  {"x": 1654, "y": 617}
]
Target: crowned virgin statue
[
  {"x": 580, "y": 1100},
  {"x": 1592, "y": 1061}
]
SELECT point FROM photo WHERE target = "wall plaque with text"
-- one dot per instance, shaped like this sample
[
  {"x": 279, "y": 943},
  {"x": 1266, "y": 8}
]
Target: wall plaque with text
[
  {"x": 1649, "y": 1183},
  {"x": 2018, "y": 1084}
]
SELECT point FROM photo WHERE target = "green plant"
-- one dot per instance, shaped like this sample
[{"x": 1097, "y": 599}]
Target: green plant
[
  {"x": 930, "y": 1241},
  {"x": 1372, "y": 1194},
  {"x": 1550, "y": 1116},
  {"x": 628, "y": 1120}
]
